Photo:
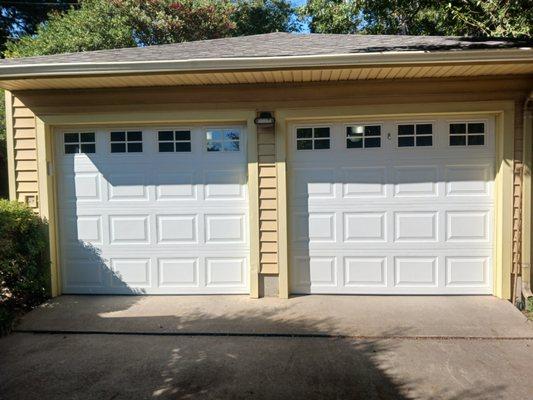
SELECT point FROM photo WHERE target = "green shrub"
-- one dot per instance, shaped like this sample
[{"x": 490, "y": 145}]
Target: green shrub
[{"x": 24, "y": 265}]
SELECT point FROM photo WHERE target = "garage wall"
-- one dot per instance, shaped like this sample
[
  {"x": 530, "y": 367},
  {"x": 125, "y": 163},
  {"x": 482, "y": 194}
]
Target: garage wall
[
  {"x": 22, "y": 150},
  {"x": 268, "y": 195},
  {"x": 22, "y": 107}
]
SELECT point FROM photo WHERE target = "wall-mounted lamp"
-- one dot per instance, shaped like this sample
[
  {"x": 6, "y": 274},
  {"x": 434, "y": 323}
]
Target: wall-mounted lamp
[{"x": 265, "y": 119}]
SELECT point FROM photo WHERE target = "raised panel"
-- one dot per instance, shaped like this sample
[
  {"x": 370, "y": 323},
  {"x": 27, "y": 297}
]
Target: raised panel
[
  {"x": 224, "y": 228},
  {"x": 466, "y": 271},
  {"x": 175, "y": 187},
  {"x": 84, "y": 273},
  {"x": 365, "y": 271},
  {"x": 323, "y": 271},
  {"x": 415, "y": 227},
  {"x": 415, "y": 271},
  {"x": 178, "y": 272},
  {"x": 363, "y": 182},
  {"x": 90, "y": 229},
  {"x": 467, "y": 226},
  {"x": 314, "y": 183},
  {"x": 321, "y": 227},
  {"x": 224, "y": 185},
  {"x": 176, "y": 229},
  {"x": 131, "y": 272},
  {"x": 86, "y": 186},
  {"x": 467, "y": 180},
  {"x": 128, "y": 229},
  {"x": 364, "y": 227},
  {"x": 127, "y": 187},
  {"x": 419, "y": 181},
  {"x": 225, "y": 272}
]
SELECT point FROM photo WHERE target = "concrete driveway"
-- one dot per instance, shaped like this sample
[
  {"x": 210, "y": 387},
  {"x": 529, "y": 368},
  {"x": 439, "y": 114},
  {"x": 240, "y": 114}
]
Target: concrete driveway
[{"x": 214, "y": 347}]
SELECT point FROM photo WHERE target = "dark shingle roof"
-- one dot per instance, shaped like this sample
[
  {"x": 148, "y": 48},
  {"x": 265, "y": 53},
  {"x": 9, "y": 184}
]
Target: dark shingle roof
[{"x": 274, "y": 45}]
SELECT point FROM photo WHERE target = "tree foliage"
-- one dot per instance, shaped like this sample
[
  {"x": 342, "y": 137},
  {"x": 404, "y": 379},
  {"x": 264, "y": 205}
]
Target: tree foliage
[
  {"x": 94, "y": 25},
  {"x": 262, "y": 16},
  {"x": 22, "y": 17},
  {"x": 105, "y": 24},
  {"x": 332, "y": 16},
  {"x": 480, "y": 18}
]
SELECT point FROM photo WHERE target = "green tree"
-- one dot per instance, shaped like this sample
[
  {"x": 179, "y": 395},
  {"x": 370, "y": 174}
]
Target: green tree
[
  {"x": 501, "y": 18},
  {"x": 170, "y": 21},
  {"x": 105, "y": 24},
  {"x": 94, "y": 25},
  {"x": 332, "y": 16},
  {"x": 253, "y": 17},
  {"x": 23, "y": 17}
]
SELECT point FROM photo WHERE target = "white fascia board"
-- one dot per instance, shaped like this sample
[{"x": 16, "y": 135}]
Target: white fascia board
[{"x": 264, "y": 63}]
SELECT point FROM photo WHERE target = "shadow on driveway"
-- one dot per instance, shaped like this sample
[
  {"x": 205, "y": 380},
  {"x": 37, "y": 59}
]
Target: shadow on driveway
[{"x": 217, "y": 366}]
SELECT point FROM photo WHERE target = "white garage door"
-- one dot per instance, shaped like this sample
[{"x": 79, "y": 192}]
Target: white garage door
[
  {"x": 153, "y": 210},
  {"x": 392, "y": 207}
]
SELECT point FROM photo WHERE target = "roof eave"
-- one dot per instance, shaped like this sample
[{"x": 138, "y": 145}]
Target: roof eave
[{"x": 28, "y": 71}]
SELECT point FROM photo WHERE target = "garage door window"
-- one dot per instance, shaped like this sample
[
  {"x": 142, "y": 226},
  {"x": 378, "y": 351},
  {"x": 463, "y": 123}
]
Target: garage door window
[
  {"x": 415, "y": 135},
  {"x": 127, "y": 142},
  {"x": 467, "y": 134},
  {"x": 174, "y": 141},
  {"x": 363, "y": 136},
  {"x": 82, "y": 142},
  {"x": 223, "y": 140},
  {"x": 313, "y": 138}
]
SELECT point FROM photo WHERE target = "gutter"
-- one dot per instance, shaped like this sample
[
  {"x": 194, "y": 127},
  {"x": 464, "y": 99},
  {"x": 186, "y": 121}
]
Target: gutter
[{"x": 58, "y": 69}]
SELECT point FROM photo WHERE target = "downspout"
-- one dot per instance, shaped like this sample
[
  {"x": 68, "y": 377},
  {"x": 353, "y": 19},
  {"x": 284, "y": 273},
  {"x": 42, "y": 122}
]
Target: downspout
[{"x": 526, "y": 272}]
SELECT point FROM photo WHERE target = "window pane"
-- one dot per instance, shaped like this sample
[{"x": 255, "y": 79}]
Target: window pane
[
  {"x": 304, "y": 145},
  {"x": 231, "y": 135},
  {"x": 135, "y": 136},
  {"x": 165, "y": 135},
  {"x": 354, "y": 143},
  {"x": 135, "y": 147},
  {"x": 183, "y": 135},
  {"x": 71, "y": 138},
  {"x": 183, "y": 147},
  {"x": 406, "y": 130},
  {"x": 118, "y": 136},
  {"x": 476, "y": 140},
  {"x": 231, "y": 146},
  {"x": 304, "y": 133},
  {"x": 476, "y": 128},
  {"x": 87, "y": 137},
  {"x": 424, "y": 129},
  {"x": 407, "y": 141},
  {"x": 457, "y": 140},
  {"x": 214, "y": 146},
  {"x": 457, "y": 128},
  {"x": 72, "y": 148},
  {"x": 214, "y": 135},
  {"x": 373, "y": 130},
  {"x": 322, "y": 133},
  {"x": 167, "y": 147},
  {"x": 88, "y": 148},
  {"x": 424, "y": 141},
  {"x": 322, "y": 144},
  {"x": 118, "y": 147},
  {"x": 372, "y": 142},
  {"x": 355, "y": 131}
]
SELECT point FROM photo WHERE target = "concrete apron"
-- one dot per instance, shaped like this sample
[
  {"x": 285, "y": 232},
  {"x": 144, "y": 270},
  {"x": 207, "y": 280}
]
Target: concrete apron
[{"x": 482, "y": 317}]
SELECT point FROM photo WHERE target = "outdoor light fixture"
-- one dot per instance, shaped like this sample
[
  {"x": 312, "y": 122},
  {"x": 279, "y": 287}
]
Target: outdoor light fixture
[{"x": 265, "y": 119}]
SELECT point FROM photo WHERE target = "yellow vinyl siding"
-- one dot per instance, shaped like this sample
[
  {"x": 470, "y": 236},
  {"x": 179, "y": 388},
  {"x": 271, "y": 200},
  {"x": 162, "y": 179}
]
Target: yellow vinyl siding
[
  {"x": 268, "y": 194},
  {"x": 24, "y": 147}
]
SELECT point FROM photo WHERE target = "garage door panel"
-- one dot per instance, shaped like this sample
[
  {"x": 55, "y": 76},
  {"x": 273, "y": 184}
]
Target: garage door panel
[
  {"x": 153, "y": 222},
  {"x": 389, "y": 219}
]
